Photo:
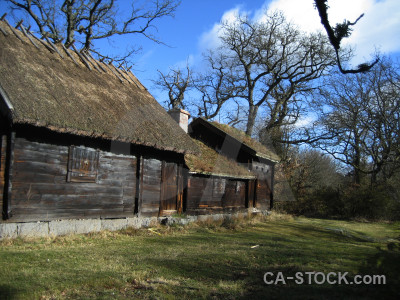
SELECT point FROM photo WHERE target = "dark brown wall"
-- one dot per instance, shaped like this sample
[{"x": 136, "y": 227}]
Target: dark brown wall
[
  {"x": 263, "y": 190},
  {"x": 150, "y": 187},
  {"x": 40, "y": 190},
  {"x": 162, "y": 187},
  {"x": 207, "y": 195},
  {"x": 3, "y": 149}
]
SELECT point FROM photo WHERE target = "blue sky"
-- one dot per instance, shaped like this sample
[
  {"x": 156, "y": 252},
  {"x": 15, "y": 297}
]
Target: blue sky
[
  {"x": 196, "y": 22},
  {"x": 195, "y": 27}
]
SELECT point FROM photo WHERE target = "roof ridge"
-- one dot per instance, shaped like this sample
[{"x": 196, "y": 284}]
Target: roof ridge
[
  {"x": 244, "y": 138},
  {"x": 86, "y": 59}
]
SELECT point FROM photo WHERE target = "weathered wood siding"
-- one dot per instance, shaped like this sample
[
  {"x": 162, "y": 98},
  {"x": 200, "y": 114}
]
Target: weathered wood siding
[
  {"x": 207, "y": 195},
  {"x": 3, "y": 149},
  {"x": 169, "y": 188},
  {"x": 251, "y": 193},
  {"x": 150, "y": 187},
  {"x": 263, "y": 185},
  {"x": 40, "y": 190},
  {"x": 235, "y": 194}
]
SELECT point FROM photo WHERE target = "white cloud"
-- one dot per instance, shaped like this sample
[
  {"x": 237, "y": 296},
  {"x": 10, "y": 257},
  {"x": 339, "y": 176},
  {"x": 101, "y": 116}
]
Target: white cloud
[
  {"x": 210, "y": 38},
  {"x": 378, "y": 29}
]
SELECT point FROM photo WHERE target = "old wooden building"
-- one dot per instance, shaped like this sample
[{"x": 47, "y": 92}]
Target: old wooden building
[
  {"x": 83, "y": 139},
  {"x": 243, "y": 171},
  {"x": 80, "y": 138}
]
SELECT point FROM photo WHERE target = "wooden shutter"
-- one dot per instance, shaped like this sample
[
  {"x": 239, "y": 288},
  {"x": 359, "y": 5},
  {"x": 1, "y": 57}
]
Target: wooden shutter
[{"x": 83, "y": 164}]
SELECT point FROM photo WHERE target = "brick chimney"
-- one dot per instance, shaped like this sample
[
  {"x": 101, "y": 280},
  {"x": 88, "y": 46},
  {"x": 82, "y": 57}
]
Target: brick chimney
[{"x": 181, "y": 117}]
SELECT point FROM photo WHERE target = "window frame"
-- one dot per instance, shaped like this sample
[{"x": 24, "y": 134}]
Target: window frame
[{"x": 83, "y": 164}]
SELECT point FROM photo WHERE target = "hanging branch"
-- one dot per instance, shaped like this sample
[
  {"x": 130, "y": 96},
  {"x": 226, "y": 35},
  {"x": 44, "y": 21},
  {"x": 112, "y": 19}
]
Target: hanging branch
[{"x": 337, "y": 34}]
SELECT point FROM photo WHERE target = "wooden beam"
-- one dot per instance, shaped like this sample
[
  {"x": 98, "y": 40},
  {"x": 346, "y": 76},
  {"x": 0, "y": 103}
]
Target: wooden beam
[
  {"x": 101, "y": 67},
  {"x": 89, "y": 60},
  {"x": 180, "y": 178},
  {"x": 26, "y": 34},
  {"x": 19, "y": 24},
  {"x": 119, "y": 72},
  {"x": 54, "y": 47},
  {"x": 3, "y": 157},
  {"x": 3, "y": 30},
  {"x": 8, "y": 175},
  {"x": 42, "y": 42},
  {"x": 138, "y": 184},
  {"x": 13, "y": 30},
  {"x": 82, "y": 58},
  {"x": 272, "y": 186},
  {"x": 116, "y": 75},
  {"x": 141, "y": 185},
  {"x": 69, "y": 55}
]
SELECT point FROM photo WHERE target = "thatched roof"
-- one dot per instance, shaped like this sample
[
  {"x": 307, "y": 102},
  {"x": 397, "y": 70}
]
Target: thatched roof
[
  {"x": 210, "y": 162},
  {"x": 251, "y": 145},
  {"x": 46, "y": 85},
  {"x": 260, "y": 149}
]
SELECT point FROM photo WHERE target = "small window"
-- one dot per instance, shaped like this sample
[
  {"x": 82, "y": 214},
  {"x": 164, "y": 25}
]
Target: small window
[
  {"x": 219, "y": 187},
  {"x": 83, "y": 164},
  {"x": 239, "y": 186}
]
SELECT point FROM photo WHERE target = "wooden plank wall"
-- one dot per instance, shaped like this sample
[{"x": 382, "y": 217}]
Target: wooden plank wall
[
  {"x": 235, "y": 194},
  {"x": 150, "y": 187},
  {"x": 169, "y": 188},
  {"x": 251, "y": 188},
  {"x": 263, "y": 194},
  {"x": 40, "y": 190},
  {"x": 207, "y": 195},
  {"x": 3, "y": 150},
  {"x": 263, "y": 185}
]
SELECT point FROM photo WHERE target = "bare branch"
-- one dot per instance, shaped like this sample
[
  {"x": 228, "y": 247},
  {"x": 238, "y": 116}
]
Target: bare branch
[{"x": 337, "y": 34}]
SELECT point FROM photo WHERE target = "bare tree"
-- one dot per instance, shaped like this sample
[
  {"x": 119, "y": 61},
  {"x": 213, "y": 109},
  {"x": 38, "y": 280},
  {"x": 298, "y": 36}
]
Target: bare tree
[
  {"x": 177, "y": 82},
  {"x": 265, "y": 63},
  {"x": 361, "y": 112},
  {"x": 85, "y": 21},
  {"x": 337, "y": 34},
  {"x": 383, "y": 122},
  {"x": 217, "y": 85}
]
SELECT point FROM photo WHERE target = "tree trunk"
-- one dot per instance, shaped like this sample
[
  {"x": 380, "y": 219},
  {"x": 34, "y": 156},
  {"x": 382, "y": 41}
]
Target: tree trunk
[
  {"x": 251, "y": 119},
  {"x": 357, "y": 165}
]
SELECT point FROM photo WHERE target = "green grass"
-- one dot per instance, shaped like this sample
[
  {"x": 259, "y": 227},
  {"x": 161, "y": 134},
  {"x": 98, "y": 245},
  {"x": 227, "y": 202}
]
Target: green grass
[{"x": 207, "y": 261}]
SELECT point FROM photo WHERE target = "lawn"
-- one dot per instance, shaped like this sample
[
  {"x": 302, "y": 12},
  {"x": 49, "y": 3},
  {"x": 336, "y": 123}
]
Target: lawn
[{"x": 210, "y": 261}]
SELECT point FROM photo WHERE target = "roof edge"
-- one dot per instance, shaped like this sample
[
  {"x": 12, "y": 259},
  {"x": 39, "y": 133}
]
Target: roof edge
[
  {"x": 223, "y": 175},
  {"x": 6, "y": 99},
  {"x": 221, "y": 132},
  {"x": 84, "y": 133}
]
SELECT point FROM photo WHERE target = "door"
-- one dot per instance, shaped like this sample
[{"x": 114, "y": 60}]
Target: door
[
  {"x": 251, "y": 198},
  {"x": 169, "y": 189}
]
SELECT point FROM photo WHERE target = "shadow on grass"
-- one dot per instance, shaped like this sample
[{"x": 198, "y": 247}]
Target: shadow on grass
[
  {"x": 275, "y": 253},
  {"x": 385, "y": 262},
  {"x": 7, "y": 293}
]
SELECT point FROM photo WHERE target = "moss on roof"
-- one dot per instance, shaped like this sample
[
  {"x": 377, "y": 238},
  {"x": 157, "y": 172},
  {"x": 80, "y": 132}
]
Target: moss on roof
[
  {"x": 51, "y": 91},
  {"x": 241, "y": 136},
  {"x": 210, "y": 162}
]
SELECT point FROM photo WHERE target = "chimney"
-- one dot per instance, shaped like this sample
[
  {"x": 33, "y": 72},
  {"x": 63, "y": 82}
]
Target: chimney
[{"x": 181, "y": 117}]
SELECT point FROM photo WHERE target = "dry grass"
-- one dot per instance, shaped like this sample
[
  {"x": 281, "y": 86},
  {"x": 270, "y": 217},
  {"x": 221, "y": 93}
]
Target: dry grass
[{"x": 204, "y": 260}]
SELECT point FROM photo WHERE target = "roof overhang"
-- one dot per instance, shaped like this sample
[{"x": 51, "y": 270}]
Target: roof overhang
[{"x": 224, "y": 134}]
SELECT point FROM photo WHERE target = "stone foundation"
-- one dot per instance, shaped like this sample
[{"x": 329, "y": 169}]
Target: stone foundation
[{"x": 83, "y": 226}]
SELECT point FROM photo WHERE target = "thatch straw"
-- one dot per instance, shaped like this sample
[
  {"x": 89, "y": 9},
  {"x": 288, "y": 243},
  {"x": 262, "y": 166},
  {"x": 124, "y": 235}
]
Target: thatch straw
[{"x": 65, "y": 96}]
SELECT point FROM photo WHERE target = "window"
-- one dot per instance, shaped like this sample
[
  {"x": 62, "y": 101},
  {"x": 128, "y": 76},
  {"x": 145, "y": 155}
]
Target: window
[
  {"x": 239, "y": 186},
  {"x": 83, "y": 164},
  {"x": 219, "y": 187}
]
